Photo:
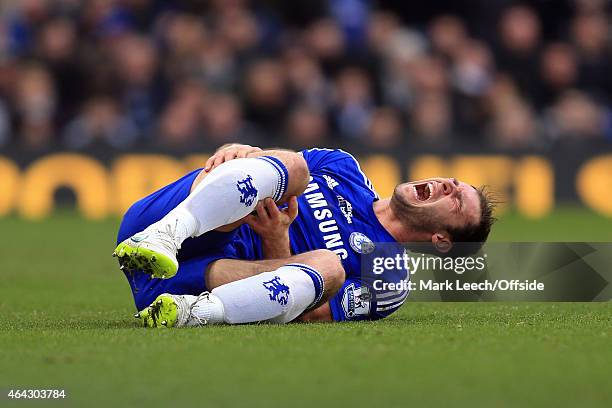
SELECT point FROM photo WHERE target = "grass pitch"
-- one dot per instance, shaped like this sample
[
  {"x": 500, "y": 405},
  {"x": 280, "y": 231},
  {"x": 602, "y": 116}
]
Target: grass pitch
[{"x": 66, "y": 323}]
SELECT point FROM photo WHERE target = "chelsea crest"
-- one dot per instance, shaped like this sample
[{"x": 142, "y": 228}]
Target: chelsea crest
[{"x": 360, "y": 243}]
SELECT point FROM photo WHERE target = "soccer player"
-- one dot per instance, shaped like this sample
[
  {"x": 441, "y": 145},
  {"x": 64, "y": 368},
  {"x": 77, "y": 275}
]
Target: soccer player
[{"x": 213, "y": 247}]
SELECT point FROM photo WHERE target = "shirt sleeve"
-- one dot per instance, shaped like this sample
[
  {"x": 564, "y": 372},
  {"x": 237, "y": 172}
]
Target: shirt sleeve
[
  {"x": 338, "y": 164},
  {"x": 358, "y": 301},
  {"x": 352, "y": 302}
]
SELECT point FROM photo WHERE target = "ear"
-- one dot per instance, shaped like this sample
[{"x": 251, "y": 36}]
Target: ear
[{"x": 441, "y": 242}]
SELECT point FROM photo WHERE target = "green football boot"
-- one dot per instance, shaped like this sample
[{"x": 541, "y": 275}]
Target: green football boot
[
  {"x": 182, "y": 311},
  {"x": 151, "y": 251},
  {"x": 163, "y": 312}
]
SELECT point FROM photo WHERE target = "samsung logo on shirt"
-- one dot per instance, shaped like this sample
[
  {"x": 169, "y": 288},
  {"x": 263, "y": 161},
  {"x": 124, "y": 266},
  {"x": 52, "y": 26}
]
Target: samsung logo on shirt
[{"x": 327, "y": 224}]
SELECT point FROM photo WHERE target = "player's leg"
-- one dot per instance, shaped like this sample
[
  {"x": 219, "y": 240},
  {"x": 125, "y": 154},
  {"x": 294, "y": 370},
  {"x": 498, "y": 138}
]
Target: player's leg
[
  {"x": 275, "y": 291},
  {"x": 229, "y": 193},
  {"x": 188, "y": 280},
  {"x": 224, "y": 271},
  {"x": 195, "y": 254}
]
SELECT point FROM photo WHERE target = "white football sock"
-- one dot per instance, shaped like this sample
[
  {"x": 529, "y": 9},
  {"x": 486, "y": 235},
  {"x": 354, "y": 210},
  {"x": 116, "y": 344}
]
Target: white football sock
[
  {"x": 230, "y": 192},
  {"x": 278, "y": 297}
]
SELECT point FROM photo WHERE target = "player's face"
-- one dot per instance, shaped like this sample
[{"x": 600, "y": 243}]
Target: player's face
[{"x": 438, "y": 202}]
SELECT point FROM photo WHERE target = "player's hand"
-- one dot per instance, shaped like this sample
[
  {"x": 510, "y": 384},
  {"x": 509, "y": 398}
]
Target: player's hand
[
  {"x": 231, "y": 152},
  {"x": 272, "y": 223}
]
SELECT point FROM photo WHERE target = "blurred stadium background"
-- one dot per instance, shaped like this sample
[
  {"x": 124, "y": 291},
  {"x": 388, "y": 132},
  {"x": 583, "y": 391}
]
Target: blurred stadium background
[{"x": 103, "y": 101}]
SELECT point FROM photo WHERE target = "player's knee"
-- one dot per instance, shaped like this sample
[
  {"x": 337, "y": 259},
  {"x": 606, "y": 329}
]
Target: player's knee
[
  {"x": 203, "y": 173},
  {"x": 330, "y": 266}
]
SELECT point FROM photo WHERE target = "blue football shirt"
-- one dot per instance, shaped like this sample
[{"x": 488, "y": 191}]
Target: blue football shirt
[{"x": 335, "y": 212}]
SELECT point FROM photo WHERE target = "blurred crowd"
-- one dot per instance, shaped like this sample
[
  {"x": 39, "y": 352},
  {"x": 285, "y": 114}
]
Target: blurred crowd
[{"x": 195, "y": 74}]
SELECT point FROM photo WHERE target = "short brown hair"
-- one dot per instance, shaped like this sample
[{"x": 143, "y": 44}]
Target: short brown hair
[{"x": 470, "y": 238}]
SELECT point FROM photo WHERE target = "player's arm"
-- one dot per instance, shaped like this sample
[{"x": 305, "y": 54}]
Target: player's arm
[
  {"x": 294, "y": 163},
  {"x": 227, "y": 152},
  {"x": 233, "y": 151}
]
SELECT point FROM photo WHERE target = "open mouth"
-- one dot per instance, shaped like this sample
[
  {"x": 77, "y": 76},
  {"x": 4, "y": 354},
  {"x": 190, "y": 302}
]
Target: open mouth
[{"x": 422, "y": 191}]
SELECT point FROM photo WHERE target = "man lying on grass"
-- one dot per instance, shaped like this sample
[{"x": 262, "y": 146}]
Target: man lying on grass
[{"x": 214, "y": 247}]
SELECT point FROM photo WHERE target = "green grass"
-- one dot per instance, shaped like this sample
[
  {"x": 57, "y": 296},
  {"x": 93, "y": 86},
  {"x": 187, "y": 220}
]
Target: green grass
[
  {"x": 568, "y": 224},
  {"x": 65, "y": 322}
]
